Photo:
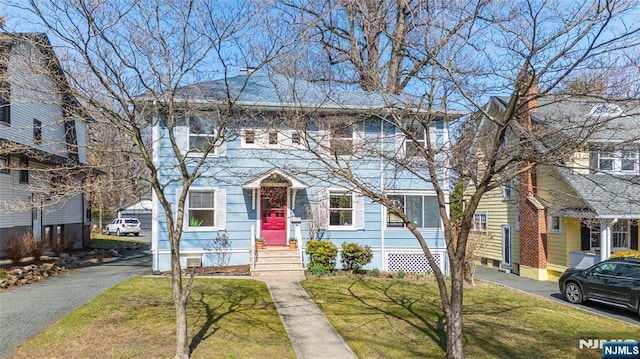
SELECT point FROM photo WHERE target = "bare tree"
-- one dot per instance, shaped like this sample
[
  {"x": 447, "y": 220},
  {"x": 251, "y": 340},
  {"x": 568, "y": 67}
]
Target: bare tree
[
  {"x": 128, "y": 61},
  {"x": 456, "y": 54}
]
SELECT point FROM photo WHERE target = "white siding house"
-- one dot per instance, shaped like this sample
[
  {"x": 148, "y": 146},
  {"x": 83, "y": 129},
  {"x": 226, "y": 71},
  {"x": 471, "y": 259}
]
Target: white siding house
[{"x": 42, "y": 145}]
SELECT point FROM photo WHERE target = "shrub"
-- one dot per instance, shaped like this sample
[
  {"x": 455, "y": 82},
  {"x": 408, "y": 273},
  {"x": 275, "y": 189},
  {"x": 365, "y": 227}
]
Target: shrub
[
  {"x": 401, "y": 273},
  {"x": 318, "y": 270},
  {"x": 14, "y": 248},
  {"x": 323, "y": 254},
  {"x": 375, "y": 272},
  {"x": 630, "y": 253},
  {"x": 220, "y": 247},
  {"x": 354, "y": 256},
  {"x": 32, "y": 246}
]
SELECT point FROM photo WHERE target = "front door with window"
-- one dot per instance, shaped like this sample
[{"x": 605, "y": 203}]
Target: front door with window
[
  {"x": 273, "y": 218},
  {"x": 506, "y": 247}
]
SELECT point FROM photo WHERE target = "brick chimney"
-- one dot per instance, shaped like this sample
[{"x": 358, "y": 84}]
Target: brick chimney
[{"x": 533, "y": 221}]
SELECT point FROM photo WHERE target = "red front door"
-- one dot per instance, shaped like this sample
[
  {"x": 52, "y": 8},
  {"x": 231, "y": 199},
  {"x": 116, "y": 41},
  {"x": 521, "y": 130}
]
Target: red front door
[{"x": 273, "y": 208}]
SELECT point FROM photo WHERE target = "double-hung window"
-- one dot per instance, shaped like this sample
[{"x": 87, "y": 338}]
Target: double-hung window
[
  {"x": 479, "y": 222},
  {"x": 342, "y": 139},
  {"x": 4, "y": 164},
  {"x": 5, "y": 102},
  {"x": 422, "y": 211},
  {"x": 415, "y": 141},
  {"x": 555, "y": 224},
  {"x": 24, "y": 171},
  {"x": 625, "y": 161},
  {"x": 201, "y": 208},
  {"x": 620, "y": 235},
  {"x": 202, "y": 134},
  {"x": 37, "y": 132},
  {"x": 340, "y": 208}
]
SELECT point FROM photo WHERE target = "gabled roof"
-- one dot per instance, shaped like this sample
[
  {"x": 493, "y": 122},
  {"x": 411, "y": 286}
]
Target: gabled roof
[
  {"x": 607, "y": 195},
  {"x": 277, "y": 175},
  {"x": 265, "y": 90},
  {"x": 575, "y": 115}
]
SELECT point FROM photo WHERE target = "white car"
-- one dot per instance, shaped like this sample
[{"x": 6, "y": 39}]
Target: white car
[{"x": 124, "y": 226}]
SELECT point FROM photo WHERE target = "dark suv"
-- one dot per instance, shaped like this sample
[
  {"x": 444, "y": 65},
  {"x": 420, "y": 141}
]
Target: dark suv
[{"x": 614, "y": 282}]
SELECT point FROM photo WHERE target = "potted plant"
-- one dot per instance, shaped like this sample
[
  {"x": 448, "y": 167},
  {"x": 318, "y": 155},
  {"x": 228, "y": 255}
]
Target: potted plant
[
  {"x": 293, "y": 243},
  {"x": 259, "y": 243}
]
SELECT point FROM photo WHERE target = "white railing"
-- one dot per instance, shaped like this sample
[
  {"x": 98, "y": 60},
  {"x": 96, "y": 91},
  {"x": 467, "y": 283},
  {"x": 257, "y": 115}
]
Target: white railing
[
  {"x": 252, "y": 248},
  {"x": 298, "y": 235}
]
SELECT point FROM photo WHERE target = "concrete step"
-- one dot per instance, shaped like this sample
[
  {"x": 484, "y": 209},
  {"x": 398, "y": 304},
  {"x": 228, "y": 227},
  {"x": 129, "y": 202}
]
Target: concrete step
[
  {"x": 278, "y": 261},
  {"x": 279, "y": 272}
]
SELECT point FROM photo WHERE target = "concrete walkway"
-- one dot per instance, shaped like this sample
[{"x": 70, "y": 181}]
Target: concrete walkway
[{"x": 309, "y": 330}]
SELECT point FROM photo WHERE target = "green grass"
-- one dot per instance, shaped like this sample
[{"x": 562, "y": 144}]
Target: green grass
[
  {"x": 227, "y": 319},
  {"x": 377, "y": 317},
  {"x": 384, "y": 318},
  {"x": 103, "y": 241}
]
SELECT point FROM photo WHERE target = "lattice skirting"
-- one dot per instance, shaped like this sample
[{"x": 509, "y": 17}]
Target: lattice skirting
[{"x": 415, "y": 262}]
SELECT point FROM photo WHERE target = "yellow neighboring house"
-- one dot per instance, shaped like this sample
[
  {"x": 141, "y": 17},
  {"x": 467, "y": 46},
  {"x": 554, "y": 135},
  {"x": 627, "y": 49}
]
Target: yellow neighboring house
[{"x": 574, "y": 213}]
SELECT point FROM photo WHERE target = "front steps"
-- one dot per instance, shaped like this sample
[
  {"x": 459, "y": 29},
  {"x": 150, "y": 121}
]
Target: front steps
[{"x": 277, "y": 261}]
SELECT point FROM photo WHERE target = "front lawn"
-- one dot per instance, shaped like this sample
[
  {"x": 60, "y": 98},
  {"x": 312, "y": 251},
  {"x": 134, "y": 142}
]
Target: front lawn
[
  {"x": 393, "y": 318},
  {"x": 228, "y": 318}
]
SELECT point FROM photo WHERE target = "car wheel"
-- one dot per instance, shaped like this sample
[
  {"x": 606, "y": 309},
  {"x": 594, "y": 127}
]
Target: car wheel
[
  {"x": 118, "y": 232},
  {"x": 573, "y": 293},
  {"x": 136, "y": 234}
]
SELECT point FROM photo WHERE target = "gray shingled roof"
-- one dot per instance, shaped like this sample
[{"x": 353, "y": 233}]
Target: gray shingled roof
[
  {"x": 574, "y": 115},
  {"x": 607, "y": 195},
  {"x": 271, "y": 90}
]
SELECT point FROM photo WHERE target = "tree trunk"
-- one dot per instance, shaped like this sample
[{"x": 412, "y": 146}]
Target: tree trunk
[
  {"x": 453, "y": 312},
  {"x": 180, "y": 301}
]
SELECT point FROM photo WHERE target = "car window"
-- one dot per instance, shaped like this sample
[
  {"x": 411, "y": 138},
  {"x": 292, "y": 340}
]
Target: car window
[
  {"x": 628, "y": 270},
  {"x": 131, "y": 221},
  {"x": 604, "y": 269}
]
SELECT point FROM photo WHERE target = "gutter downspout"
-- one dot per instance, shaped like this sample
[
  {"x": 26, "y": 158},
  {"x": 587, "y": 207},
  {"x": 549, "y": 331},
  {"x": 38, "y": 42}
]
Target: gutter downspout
[
  {"x": 155, "y": 267},
  {"x": 382, "y": 221}
]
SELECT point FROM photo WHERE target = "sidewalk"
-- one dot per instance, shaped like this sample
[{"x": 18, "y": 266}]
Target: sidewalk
[{"x": 309, "y": 330}]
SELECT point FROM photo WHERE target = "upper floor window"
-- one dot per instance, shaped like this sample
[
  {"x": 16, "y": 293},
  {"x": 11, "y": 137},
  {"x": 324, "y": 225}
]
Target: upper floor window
[
  {"x": 342, "y": 139},
  {"x": 24, "y": 171},
  {"x": 479, "y": 222},
  {"x": 4, "y": 164},
  {"x": 415, "y": 141},
  {"x": 37, "y": 132},
  {"x": 250, "y": 137},
  {"x": 5, "y": 102},
  {"x": 340, "y": 208},
  {"x": 202, "y": 134},
  {"x": 618, "y": 161},
  {"x": 507, "y": 191},
  {"x": 422, "y": 211},
  {"x": 605, "y": 109},
  {"x": 272, "y": 138}
]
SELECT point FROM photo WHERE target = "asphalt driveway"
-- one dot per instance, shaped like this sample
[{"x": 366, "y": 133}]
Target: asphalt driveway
[
  {"x": 25, "y": 311},
  {"x": 550, "y": 290}
]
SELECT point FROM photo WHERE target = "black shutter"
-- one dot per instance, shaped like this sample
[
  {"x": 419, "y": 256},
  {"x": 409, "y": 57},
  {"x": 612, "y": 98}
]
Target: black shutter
[
  {"x": 585, "y": 237},
  {"x": 634, "y": 236}
]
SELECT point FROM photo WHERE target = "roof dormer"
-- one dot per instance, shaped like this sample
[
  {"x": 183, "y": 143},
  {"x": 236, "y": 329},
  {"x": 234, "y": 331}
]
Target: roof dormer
[{"x": 605, "y": 110}]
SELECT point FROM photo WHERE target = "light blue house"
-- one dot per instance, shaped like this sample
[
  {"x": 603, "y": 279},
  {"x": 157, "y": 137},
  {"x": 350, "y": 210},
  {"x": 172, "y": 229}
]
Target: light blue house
[{"x": 270, "y": 178}]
